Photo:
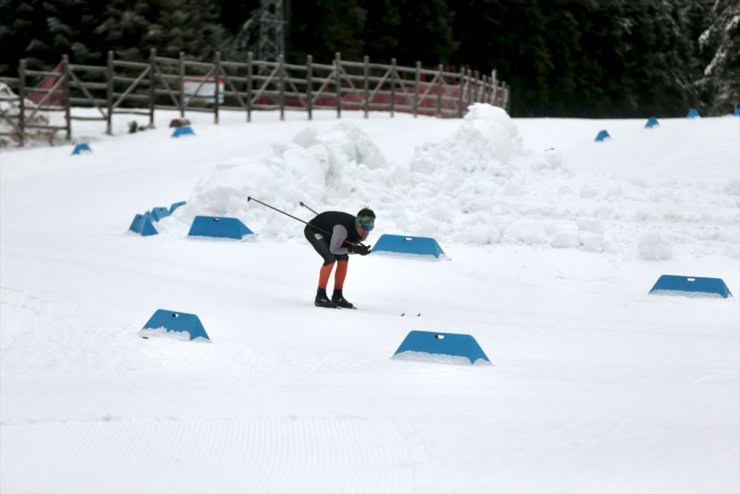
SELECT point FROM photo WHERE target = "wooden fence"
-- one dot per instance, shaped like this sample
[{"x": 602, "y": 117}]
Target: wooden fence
[{"x": 125, "y": 87}]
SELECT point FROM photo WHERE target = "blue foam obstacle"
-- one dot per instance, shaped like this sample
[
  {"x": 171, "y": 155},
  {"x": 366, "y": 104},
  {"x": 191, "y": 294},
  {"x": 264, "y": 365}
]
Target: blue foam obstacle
[
  {"x": 737, "y": 112},
  {"x": 82, "y": 148},
  {"x": 415, "y": 246},
  {"x": 184, "y": 326},
  {"x": 176, "y": 205},
  {"x": 652, "y": 122},
  {"x": 602, "y": 135},
  {"x": 693, "y": 113},
  {"x": 183, "y": 131},
  {"x": 221, "y": 227},
  {"x": 691, "y": 286},
  {"x": 159, "y": 213},
  {"x": 441, "y": 347},
  {"x": 143, "y": 225}
]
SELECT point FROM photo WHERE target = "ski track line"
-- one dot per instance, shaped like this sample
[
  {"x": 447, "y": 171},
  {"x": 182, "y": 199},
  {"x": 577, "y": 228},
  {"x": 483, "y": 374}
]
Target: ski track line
[{"x": 285, "y": 454}]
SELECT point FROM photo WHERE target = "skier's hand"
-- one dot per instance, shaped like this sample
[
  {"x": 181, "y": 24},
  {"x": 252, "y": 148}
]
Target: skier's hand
[{"x": 363, "y": 250}]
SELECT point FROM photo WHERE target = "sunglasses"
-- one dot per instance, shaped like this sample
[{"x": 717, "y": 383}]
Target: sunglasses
[{"x": 367, "y": 223}]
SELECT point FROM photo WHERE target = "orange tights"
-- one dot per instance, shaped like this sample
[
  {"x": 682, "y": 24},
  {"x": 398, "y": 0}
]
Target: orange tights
[{"x": 339, "y": 276}]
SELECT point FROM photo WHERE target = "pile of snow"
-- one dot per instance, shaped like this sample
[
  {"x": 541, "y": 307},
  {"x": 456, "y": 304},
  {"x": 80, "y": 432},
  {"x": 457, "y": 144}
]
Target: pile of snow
[
  {"x": 655, "y": 247},
  {"x": 477, "y": 186}
]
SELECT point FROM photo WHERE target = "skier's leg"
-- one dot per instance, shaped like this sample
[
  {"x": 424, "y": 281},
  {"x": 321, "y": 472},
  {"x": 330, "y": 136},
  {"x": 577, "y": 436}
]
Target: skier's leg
[
  {"x": 341, "y": 274},
  {"x": 321, "y": 244},
  {"x": 339, "y": 277},
  {"x": 324, "y": 275}
]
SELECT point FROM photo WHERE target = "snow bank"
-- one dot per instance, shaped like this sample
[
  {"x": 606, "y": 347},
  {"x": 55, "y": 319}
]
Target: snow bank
[{"x": 477, "y": 186}]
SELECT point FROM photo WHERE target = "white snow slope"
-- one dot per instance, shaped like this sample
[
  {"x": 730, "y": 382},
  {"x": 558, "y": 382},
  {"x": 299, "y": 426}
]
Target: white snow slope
[{"x": 554, "y": 242}]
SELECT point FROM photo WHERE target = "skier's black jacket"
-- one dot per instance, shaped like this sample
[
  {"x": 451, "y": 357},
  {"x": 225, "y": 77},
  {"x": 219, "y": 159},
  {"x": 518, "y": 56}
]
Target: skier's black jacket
[{"x": 325, "y": 222}]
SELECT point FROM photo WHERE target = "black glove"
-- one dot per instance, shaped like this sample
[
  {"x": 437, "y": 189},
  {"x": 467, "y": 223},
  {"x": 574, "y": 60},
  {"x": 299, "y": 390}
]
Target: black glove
[{"x": 363, "y": 250}]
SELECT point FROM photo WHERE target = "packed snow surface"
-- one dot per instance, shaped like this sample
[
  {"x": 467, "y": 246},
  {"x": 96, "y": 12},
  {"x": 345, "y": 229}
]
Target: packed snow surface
[{"x": 552, "y": 242}]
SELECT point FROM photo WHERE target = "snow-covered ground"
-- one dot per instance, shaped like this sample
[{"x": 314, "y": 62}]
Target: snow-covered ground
[{"x": 554, "y": 240}]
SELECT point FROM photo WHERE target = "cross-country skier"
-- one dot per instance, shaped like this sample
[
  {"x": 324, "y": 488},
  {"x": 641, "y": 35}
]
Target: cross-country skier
[{"x": 347, "y": 231}]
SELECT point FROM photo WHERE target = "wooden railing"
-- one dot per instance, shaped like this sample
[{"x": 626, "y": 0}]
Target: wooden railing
[{"x": 252, "y": 85}]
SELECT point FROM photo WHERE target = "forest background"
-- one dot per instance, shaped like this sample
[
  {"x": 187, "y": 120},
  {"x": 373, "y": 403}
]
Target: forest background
[{"x": 561, "y": 58}]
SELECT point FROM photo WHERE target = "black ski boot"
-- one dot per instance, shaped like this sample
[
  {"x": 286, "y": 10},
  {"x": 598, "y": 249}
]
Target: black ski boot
[
  {"x": 322, "y": 299},
  {"x": 338, "y": 299}
]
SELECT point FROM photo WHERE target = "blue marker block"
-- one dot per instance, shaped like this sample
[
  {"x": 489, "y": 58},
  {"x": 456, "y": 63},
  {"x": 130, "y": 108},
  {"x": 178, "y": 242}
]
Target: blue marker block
[
  {"x": 652, "y": 122},
  {"x": 690, "y": 286},
  {"x": 693, "y": 113},
  {"x": 82, "y": 148},
  {"x": 737, "y": 112},
  {"x": 176, "y": 205},
  {"x": 159, "y": 213},
  {"x": 183, "y": 131},
  {"x": 219, "y": 227},
  {"x": 602, "y": 135},
  {"x": 143, "y": 225},
  {"x": 184, "y": 326},
  {"x": 414, "y": 246},
  {"x": 441, "y": 347}
]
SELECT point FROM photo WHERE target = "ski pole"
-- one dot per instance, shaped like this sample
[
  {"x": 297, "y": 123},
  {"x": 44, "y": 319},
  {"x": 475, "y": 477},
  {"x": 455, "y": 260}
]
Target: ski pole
[
  {"x": 281, "y": 211},
  {"x": 296, "y": 218},
  {"x": 302, "y": 204}
]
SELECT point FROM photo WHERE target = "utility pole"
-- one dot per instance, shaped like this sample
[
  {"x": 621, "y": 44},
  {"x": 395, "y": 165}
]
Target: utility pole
[{"x": 271, "y": 41}]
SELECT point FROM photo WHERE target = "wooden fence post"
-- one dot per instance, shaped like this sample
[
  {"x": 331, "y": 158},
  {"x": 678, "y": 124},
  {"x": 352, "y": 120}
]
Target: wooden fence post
[
  {"x": 494, "y": 83},
  {"x": 476, "y": 85},
  {"x": 281, "y": 82},
  {"x": 250, "y": 63},
  {"x": 393, "y": 87},
  {"x": 416, "y": 89},
  {"x": 469, "y": 79},
  {"x": 22, "y": 96},
  {"x": 67, "y": 105},
  {"x": 366, "y": 74},
  {"x": 152, "y": 85},
  {"x": 461, "y": 100},
  {"x": 217, "y": 90},
  {"x": 309, "y": 86},
  {"x": 338, "y": 83},
  {"x": 109, "y": 95},
  {"x": 440, "y": 87},
  {"x": 182, "y": 84}
]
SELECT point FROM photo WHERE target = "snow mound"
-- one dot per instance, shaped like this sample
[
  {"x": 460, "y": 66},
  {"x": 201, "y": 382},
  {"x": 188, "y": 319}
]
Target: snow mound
[
  {"x": 297, "y": 171},
  {"x": 654, "y": 247}
]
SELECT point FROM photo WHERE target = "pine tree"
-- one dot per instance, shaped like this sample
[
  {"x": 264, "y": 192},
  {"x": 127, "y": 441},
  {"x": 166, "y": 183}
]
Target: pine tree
[
  {"x": 323, "y": 27},
  {"x": 720, "y": 44}
]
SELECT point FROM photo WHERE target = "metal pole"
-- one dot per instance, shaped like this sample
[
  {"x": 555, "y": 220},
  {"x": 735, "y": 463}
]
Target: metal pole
[
  {"x": 304, "y": 205},
  {"x": 298, "y": 219}
]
